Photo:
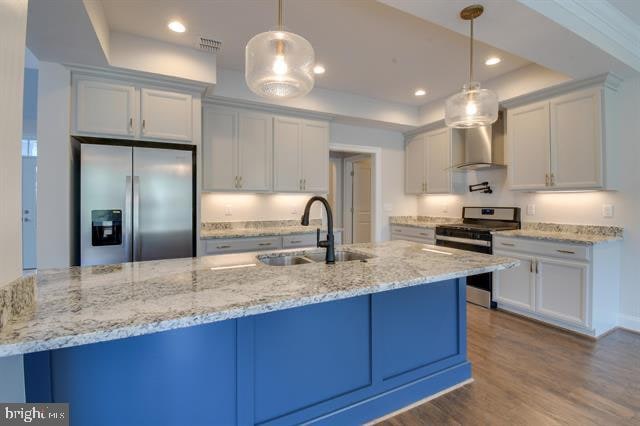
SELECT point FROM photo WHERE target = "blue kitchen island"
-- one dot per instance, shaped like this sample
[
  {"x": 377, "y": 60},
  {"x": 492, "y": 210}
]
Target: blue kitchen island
[{"x": 247, "y": 343}]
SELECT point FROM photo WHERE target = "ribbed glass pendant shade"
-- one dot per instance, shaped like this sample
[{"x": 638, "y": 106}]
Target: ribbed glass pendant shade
[
  {"x": 279, "y": 64},
  {"x": 472, "y": 107}
]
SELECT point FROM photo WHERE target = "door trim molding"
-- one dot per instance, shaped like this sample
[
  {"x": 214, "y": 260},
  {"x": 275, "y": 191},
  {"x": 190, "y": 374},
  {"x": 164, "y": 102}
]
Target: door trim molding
[{"x": 376, "y": 152}]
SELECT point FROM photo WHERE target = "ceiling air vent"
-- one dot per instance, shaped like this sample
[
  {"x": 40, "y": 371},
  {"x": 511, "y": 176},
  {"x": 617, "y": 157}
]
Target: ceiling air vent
[{"x": 209, "y": 44}]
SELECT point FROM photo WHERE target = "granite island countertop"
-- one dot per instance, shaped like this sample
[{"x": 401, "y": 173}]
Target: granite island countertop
[
  {"x": 82, "y": 305},
  {"x": 566, "y": 233}
]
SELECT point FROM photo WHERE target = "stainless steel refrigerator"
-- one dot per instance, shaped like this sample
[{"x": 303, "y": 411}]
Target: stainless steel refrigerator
[{"x": 136, "y": 201}]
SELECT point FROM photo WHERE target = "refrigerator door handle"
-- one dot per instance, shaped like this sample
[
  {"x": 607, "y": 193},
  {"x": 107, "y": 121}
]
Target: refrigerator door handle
[
  {"x": 137, "y": 243},
  {"x": 126, "y": 238}
]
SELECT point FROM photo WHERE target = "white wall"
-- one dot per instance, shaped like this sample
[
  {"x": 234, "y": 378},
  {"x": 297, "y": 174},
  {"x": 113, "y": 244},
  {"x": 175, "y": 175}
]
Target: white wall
[
  {"x": 579, "y": 208},
  {"x": 55, "y": 218},
  {"x": 13, "y": 30}
]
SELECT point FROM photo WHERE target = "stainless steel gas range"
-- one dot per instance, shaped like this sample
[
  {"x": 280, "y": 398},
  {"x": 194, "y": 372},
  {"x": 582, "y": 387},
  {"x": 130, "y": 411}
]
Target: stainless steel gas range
[{"x": 475, "y": 234}]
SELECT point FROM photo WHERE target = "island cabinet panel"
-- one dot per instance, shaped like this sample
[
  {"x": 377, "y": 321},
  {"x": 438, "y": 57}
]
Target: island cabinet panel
[
  {"x": 416, "y": 327},
  {"x": 308, "y": 355},
  {"x": 343, "y": 361}
]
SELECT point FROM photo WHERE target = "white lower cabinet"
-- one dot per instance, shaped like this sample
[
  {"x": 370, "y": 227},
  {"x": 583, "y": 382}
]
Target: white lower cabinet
[{"x": 571, "y": 286}]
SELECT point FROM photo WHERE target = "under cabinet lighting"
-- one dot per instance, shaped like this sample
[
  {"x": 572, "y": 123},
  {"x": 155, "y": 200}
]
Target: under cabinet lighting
[{"x": 177, "y": 27}]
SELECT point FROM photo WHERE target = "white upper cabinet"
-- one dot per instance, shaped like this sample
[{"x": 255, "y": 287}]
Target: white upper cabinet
[
  {"x": 255, "y": 151},
  {"x": 563, "y": 142},
  {"x": 428, "y": 160},
  {"x": 219, "y": 146},
  {"x": 236, "y": 150},
  {"x": 301, "y": 155},
  {"x": 315, "y": 156},
  {"x": 415, "y": 165},
  {"x": 528, "y": 136},
  {"x": 576, "y": 140},
  {"x": 166, "y": 115},
  {"x": 438, "y": 161},
  {"x": 117, "y": 109},
  {"x": 287, "y": 154},
  {"x": 105, "y": 108}
]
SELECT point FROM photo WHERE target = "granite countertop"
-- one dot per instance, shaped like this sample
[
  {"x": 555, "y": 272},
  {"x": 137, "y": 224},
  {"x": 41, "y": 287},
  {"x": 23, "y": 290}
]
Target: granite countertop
[
  {"x": 565, "y": 233},
  {"x": 248, "y": 229},
  {"x": 82, "y": 305},
  {"x": 427, "y": 222}
]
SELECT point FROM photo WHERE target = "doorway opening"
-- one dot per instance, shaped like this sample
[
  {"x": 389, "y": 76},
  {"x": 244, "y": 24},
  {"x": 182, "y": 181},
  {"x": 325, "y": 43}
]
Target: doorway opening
[{"x": 352, "y": 194}]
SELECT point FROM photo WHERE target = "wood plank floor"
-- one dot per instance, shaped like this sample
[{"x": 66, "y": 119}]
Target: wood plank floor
[{"x": 530, "y": 374}]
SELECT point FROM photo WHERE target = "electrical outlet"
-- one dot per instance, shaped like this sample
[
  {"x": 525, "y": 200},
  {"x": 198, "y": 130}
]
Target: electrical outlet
[
  {"x": 388, "y": 207},
  {"x": 227, "y": 210},
  {"x": 607, "y": 210},
  {"x": 445, "y": 208},
  {"x": 294, "y": 210},
  {"x": 531, "y": 209}
]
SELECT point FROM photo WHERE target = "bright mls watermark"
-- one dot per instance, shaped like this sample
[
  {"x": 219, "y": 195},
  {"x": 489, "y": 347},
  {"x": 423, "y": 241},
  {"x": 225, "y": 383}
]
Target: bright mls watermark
[{"x": 34, "y": 414}]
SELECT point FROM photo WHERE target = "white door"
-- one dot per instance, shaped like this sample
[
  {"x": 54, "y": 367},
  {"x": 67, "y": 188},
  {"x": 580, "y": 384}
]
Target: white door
[
  {"x": 562, "y": 287},
  {"x": 576, "y": 140},
  {"x": 315, "y": 156},
  {"x": 255, "y": 151},
  {"x": 166, "y": 115},
  {"x": 438, "y": 161},
  {"x": 105, "y": 109},
  {"x": 528, "y": 144},
  {"x": 29, "y": 169},
  {"x": 219, "y": 145},
  {"x": 286, "y": 155},
  {"x": 362, "y": 201},
  {"x": 516, "y": 286},
  {"x": 415, "y": 165}
]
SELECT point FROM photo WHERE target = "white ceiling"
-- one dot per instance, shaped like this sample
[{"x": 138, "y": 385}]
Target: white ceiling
[{"x": 368, "y": 48}]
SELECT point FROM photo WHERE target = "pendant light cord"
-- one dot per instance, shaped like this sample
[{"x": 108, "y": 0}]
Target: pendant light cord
[
  {"x": 280, "y": 15},
  {"x": 470, "y": 53}
]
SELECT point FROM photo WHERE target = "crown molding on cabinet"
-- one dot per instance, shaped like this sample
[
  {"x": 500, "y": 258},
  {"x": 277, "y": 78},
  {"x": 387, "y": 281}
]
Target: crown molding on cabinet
[
  {"x": 139, "y": 77},
  {"x": 270, "y": 108}
]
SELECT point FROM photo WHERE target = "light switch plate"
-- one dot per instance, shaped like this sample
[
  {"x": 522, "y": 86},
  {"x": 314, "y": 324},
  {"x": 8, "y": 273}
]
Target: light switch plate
[
  {"x": 531, "y": 209},
  {"x": 388, "y": 207},
  {"x": 227, "y": 210},
  {"x": 607, "y": 210}
]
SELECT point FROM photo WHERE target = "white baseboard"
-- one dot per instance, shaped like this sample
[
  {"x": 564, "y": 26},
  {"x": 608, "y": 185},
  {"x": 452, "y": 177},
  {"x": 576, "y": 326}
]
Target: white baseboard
[{"x": 629, "y": 322}]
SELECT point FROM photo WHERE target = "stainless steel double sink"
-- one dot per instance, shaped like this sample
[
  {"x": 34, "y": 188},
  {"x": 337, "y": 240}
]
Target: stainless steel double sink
[{"x": 310, "y": 257}]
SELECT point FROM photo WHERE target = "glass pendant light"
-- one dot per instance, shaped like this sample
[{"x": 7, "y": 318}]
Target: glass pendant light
[
  {"x": 279, "y": 64},
  {"x": 473, "y": 106}
]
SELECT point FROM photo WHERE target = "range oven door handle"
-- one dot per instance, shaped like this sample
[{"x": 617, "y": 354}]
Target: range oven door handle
[{"x": 481, "y": 243}]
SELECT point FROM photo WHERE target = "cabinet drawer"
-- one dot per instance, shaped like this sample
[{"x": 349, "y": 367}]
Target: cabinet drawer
[
  {"x": 543, "y": 248},
  {"x": 237, "y": 245},
  {"x": 399, "y": 231},
  {"x": 299, "y": 240}
]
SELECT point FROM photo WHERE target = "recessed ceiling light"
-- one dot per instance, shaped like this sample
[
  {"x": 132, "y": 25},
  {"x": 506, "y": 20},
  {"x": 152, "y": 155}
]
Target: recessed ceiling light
[
  {"x": 177, "y": 26},
  {"x": 420, "y": 92},
  {"x": 318, "y": 69},
  {"x": 493, "y": 60}
]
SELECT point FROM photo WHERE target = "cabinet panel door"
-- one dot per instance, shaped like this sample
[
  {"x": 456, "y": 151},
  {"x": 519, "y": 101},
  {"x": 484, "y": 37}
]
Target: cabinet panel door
[
  {"x": 286, "y": 146},
  {"x": 105, "y": 108},
  {"x": 515, "y": 286},
  {"x": 576, "y": 140},
  {"x": 219, "y": 145},
  {"x": 438, "y": 161},
  {"x": 562, "y": 290},
  {"x": 315, "y": 156},
  {"x": 255, "y": 151},
  {"x": 528, "y": 144},
  {"x": 166, "y": 115},
  {"x": 415, "y": 165}
]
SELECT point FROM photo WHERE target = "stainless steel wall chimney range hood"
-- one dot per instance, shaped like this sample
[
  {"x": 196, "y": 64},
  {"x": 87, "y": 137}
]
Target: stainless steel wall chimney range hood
[{"x": 483, "y": 146}]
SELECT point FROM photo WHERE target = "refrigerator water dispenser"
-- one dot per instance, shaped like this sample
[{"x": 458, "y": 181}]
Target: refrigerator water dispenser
[{"x": 106, "y": 227}]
